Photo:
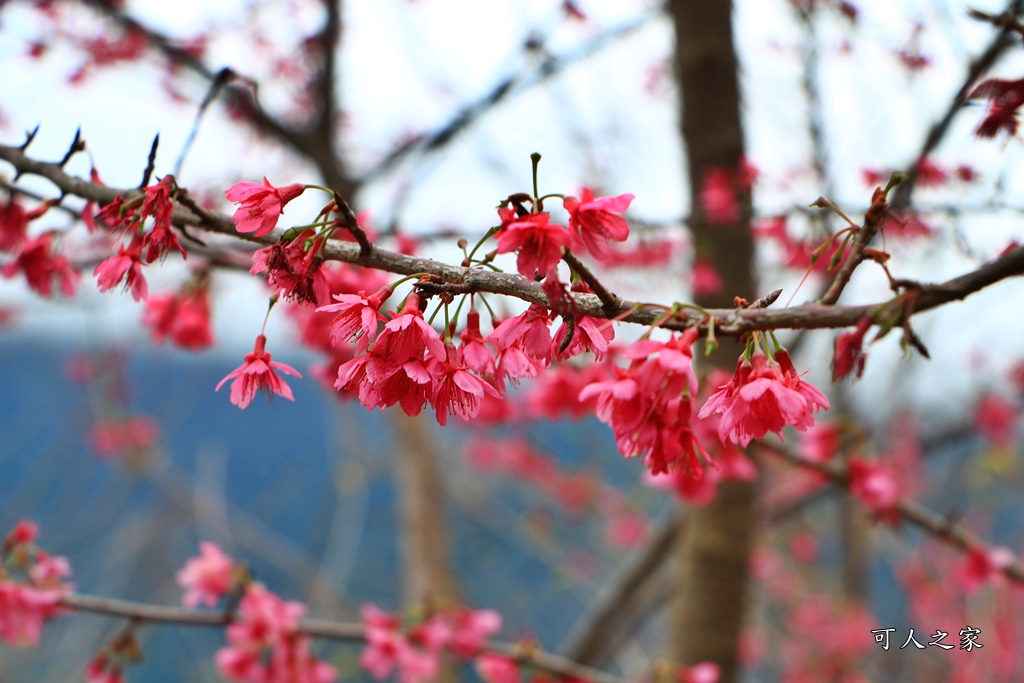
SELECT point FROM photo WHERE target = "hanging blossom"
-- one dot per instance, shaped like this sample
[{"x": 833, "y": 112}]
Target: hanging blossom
[
  {"x": 594, "y": 223},
  {"x": 294, "y": 270},
  {"x": 358, "y": 317},
  {"x": 649, "y": 405},
  {"x": 41, "y": 267},
  {"x": 265, "y": 644},
  {"x": 260, "y": 205},
  {"x": 31, "y": 586},
  {"x": 764, "y": 395},
  {"x": 183, "y": 317},
  {"x": 258, "y": 374},
  {"x": 125, "y": 266}
]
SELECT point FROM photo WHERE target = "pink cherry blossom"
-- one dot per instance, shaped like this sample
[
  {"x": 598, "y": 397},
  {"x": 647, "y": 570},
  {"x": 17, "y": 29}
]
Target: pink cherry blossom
[
  {"x": 539, "y": 243},
  {"x": 455, "y": 389},
  {"x": 261, "y": 205},
  {"x": 258, "y": 374},
  {"x": 874, "y": 486},
  {"x": 471, "y": 629},
  {"x": 523, "y": 343},
  {"x": 266, "y": 646},
  {"x": 497, "y": 668},
  {"x": 983, "y": 566},
  {"x": 101, "y": 670},
  {"x": 13, "y": 225},
  {"x": 358, "y": 316},
  {"x": 183, "y": 317},
  {"x": 294, "y": 270},
  {"x": 593, "y": 222},
  {"x": 849, "y": 356},
  {"x": 718, "y": 198},
  {"x": 473, "y": 351},
  {"x": 1004, "y": 99},
  {"x": 207, "y": 578},
  {"x": 31, "y": 586},
  {"x": 407, "y": 336},
  {"x": 763, "y": 396},
  {"x": 41, "y": 267},
  {"x": 125, "y": 266},
  {"x": 589, "y": 334},
  {"x": 996, "y": 418}
]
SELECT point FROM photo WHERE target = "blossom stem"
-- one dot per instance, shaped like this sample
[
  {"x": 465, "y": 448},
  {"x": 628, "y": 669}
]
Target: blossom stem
[{"x": 535, "y": 158}]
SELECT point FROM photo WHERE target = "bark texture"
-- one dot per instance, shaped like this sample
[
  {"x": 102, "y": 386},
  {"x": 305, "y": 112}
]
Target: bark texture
[{"x": 714, "y": 549}]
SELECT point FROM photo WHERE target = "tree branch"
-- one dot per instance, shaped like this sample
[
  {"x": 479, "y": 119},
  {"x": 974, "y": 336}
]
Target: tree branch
[
  {"x": 729, "y": 322},
  {"x": 318, "y": 628},
  {"x": 931, "y": 522},
  {"x": 313, "y": 141}
]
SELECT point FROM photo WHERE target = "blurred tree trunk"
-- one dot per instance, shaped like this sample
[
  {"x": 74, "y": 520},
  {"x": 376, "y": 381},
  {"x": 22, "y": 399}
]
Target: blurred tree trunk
[
  {"x": 714, "y": 547},
  {"x": 428, "y": 579}
]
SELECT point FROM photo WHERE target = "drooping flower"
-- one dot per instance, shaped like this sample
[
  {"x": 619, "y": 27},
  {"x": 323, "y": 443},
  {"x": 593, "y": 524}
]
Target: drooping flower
[
  {"x": 126, "y": 266},
  {"x": 406, "y": 337},
  {"x": 849, "y": 356},
  {"x": 183, "y": 317},
  {"x": 161, "y": 239},
  {"x": 538, "y": 242},
  {"x": 295, "y": 270},
  {"x": 261, "y": 205},
  {"x": 257, "y": 374},
  {"x": 589, "y": 334},
  {"x": 763, "y": 396},
  {"x": 593, "y": 222},
  {"x": 473, "y": 351},
  {"x": 41, "y": 267},
  {"x": 456, "y": 390},
  {"x": 358, "y": 317},
  {"x": 1004, "y": 99},
  {"x": 13, "y": 225},
  {"x": 524, "y": 344},
  {"x": 207, "y": 578}
]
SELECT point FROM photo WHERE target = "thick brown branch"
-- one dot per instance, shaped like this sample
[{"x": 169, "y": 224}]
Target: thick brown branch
[
  {"x": 730, "y": 322},
  {"x": 318, "y": 628}
]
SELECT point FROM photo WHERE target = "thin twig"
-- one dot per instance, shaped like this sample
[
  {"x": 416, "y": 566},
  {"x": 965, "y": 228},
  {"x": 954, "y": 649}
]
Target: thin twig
[{"x": 612, "y": 304}]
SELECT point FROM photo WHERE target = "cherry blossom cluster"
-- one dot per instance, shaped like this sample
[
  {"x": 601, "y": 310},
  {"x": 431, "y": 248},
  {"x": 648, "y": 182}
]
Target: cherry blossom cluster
[
  {"x": 147, "y": 222},
  {"x": 36, "y": 258},
  {"x": 413, "y": 652},
  {"x": 265, "y": 644},
  {"x": 400, "y": 358},
  {"x": 31, "y": 586}
]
